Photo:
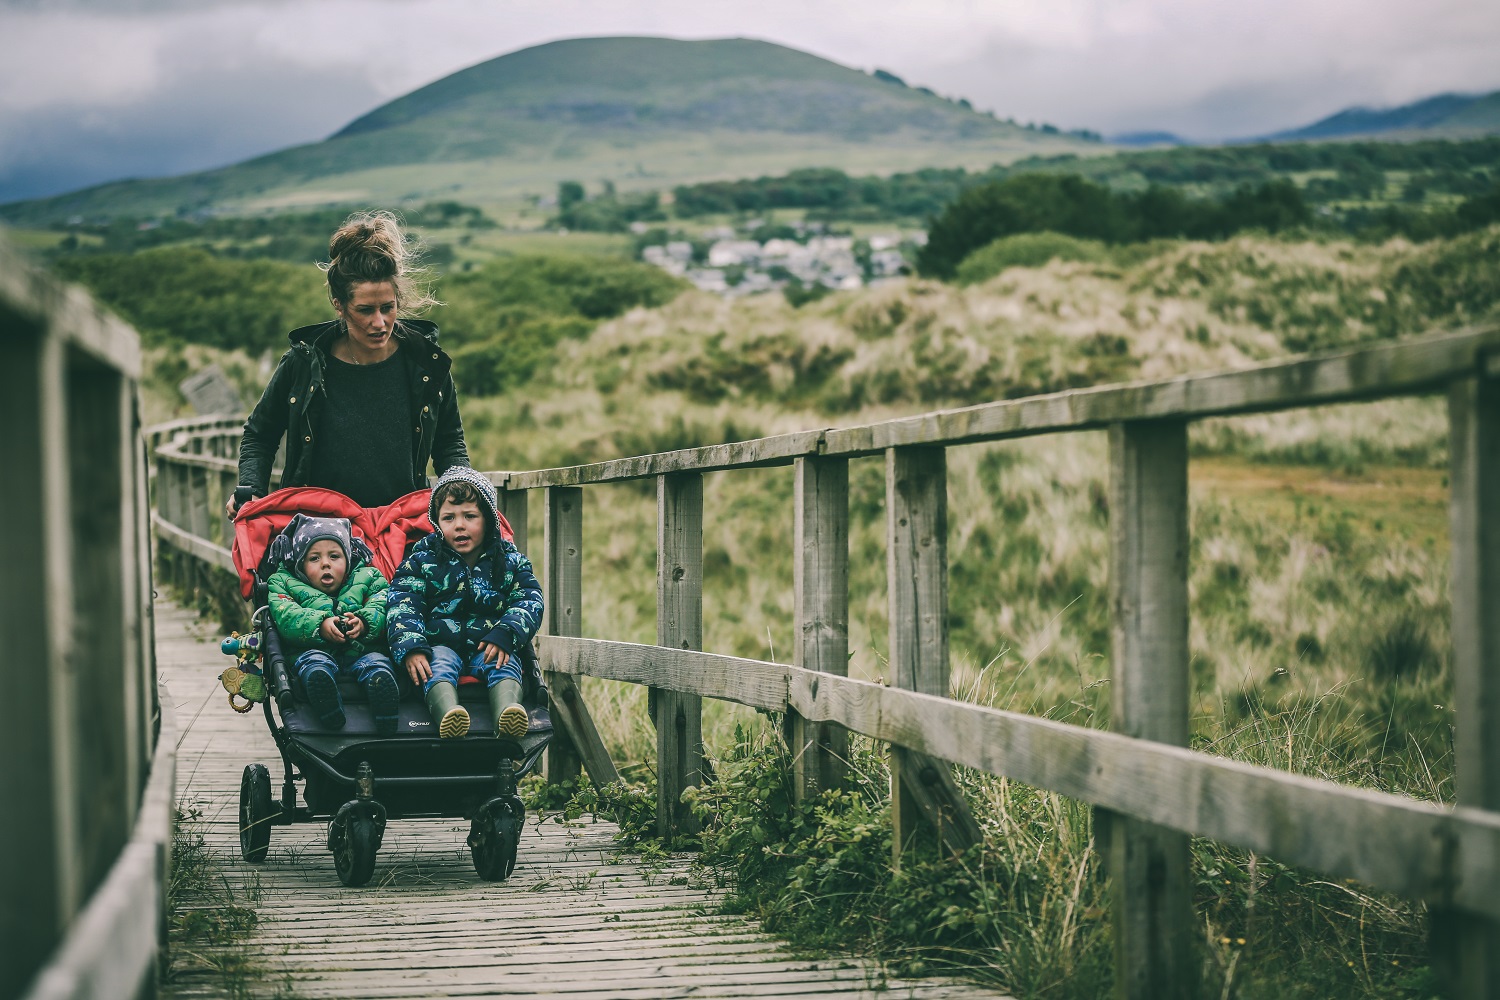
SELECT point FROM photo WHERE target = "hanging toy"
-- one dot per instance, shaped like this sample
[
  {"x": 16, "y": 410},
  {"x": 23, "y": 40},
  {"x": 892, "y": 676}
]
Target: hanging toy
[
  {"x": 243, "y": 680},
  {"x": 245, "y": 648},
  {"x": 249, "y": 687}
]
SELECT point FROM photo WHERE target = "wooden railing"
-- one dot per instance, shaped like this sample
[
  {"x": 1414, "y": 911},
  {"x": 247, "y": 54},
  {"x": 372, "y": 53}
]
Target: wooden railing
[
  {"x": 87, "y": 742},
  {"x": 1152, "y": 792}
]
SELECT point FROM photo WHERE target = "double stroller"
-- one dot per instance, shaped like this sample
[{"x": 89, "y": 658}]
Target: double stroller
[{"x": 354, "y": 778}]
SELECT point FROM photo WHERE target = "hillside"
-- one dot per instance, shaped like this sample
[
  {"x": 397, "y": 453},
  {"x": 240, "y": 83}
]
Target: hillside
[
  {"x": 641, "y": 112},
  {"x": 1446, "y": 116}
]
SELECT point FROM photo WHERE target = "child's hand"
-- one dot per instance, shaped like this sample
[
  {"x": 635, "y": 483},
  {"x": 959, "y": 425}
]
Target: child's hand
[
  {"x": 493, "y": 654},
  {"x": 330, "y": 630},
  {"x": 354, "y": 626},
  {"x": 419, "y": 667}
]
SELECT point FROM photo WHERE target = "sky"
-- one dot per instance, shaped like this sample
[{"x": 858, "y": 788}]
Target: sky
[{"x": 97, "y": 90}]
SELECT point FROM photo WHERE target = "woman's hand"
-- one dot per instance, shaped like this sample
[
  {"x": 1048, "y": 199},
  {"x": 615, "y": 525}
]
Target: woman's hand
[
  {"x": 493, "y": 654},
  {"x": 230, "y": 507},
  {"x": 354, "y": 626},
  {"x": 419, "y": 667},
  {"x": 330, "y": 631}
]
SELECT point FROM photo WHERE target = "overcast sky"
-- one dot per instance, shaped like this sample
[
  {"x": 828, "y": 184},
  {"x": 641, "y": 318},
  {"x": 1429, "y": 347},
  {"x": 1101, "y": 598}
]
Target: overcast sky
[{"x": 94, "y": 90}]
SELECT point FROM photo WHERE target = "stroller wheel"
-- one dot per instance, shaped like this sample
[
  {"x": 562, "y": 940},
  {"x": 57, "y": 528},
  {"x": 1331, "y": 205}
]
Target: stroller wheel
[
  {"x": 257, "y": 813},
  {"x": 354, "y": 837},
  {"x": 494, "y": 836}
]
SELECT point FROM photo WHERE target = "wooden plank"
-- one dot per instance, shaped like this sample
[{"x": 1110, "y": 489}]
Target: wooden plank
[
  {"x": 820, "y": 580},
  {"x": 514, "y": 505},
  {"x": 97, "y": 693},
  {"x": 706, "y": 675},
  {"x": 679, "y": 625},
  {"x": 1413, "y": 848},
  {"x": 1405, "y": 368},
  {"x": 569, "y": 708},
  {"x": 759, "y": 453},
  {"x": 30, "y": 911},
  {"x": 1148, "y": 865},
  {"x": 180, "y": 453},
  {"x": 1467, "y": 949},
  {"x": 916, "y": 517},
  {"x": 198, "y": 548},
  {"x": 1419, "y": 850},
  {"x": 564, "y": 529}
]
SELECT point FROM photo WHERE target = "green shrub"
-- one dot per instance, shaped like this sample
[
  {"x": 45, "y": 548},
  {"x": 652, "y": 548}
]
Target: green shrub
[{"x": 1027, "y": 250}]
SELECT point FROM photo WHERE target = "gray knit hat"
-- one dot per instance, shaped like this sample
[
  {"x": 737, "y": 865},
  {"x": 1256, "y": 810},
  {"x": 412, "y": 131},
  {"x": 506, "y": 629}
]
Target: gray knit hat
[
  {"x": 489, "y": 501},
  {"x": 290, "y": 547}
]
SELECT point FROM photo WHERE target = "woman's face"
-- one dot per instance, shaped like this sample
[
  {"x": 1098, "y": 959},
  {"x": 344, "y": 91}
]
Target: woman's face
[{"x": 370, "y": 315}]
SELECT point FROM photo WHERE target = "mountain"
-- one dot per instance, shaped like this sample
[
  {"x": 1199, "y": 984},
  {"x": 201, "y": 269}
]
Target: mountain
[
  {"x": 1446, "y": 116},
  {"x": 1145, "y": 139},
  {"x": 644, "y": 113}
]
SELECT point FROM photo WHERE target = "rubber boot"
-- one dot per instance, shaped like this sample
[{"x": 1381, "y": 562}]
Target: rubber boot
[
  {"x": 385, "y": 700},
  {"x": 451, "y": 718},
  {"x": 511, "y": 720}
]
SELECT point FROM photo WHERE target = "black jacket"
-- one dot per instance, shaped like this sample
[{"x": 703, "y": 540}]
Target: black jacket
[{"x": 289, "y": 406}]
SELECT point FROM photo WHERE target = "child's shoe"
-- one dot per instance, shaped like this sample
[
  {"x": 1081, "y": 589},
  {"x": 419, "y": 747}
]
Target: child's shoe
[
  {"x": 323, "y": 697},
  {"x": 385, "y": 701},
  {"x": 451, "y": 718},
  {"x": 511, "y": 720}
]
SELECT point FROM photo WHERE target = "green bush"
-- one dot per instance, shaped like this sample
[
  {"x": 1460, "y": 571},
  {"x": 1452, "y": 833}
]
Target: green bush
[
  {"x": 188, "y": 295},
  {"x": 1027, "y": 250}
]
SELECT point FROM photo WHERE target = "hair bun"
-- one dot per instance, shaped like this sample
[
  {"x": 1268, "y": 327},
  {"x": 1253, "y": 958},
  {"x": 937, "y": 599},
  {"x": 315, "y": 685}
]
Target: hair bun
[{"x": 371, "y": 247}]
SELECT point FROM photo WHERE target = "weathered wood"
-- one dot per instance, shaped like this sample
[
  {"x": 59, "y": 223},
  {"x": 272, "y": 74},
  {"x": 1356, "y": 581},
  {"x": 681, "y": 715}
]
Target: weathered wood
[
  {"x": 1148, "y": 865},
  {"x": 705, "y": 675},
  {"x": 31, "y": 895},
  {"x": 110, "y": 950},
  {"x": 198, "y": 548},
  {"x": 564, "y": 530},
  {"x": 820, "y": 575},
  {"x": 771, "y": 451},
  {"x": 1467, "y": 949},
  {"x": 98, "y": 693},
  {"x": 1413, "y": 848},
  {"x": 569, "y": 708},
  {"x": 514, "y": 505},
  {"x": 1349, "y": 375},
  {"x": 916, "y": 517},
  {"x": 679, "y": 625}
]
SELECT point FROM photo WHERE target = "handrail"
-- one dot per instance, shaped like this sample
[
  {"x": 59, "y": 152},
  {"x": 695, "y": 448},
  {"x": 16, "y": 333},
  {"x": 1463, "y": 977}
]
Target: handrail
[
  {"x": 90, "y": 752},
  {"x": 1153, "y": 791}
]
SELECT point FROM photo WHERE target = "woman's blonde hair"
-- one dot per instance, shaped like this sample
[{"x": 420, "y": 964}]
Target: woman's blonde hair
[{"x": 371, "y": 246}]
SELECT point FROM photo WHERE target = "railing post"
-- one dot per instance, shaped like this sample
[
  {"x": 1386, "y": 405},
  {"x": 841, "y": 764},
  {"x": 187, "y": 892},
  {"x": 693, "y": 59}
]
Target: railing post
[
  {"x": 513, "y": 506},
  {"x": 1148, "y": 864},
  {"x": 564, "y": 529},
  {"x": 40, "y": 892},
  {"x": 916, "y": 516},
  {"x": 679, "y": 624},
  {"x": 1466, "y": 947},
  {"x": 820, "y": 553}
]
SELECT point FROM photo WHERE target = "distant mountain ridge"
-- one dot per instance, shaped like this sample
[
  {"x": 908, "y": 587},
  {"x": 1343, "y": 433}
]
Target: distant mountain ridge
[
  {"x": 640, "y": 112},
  {"x": 1443, "y": 116}
]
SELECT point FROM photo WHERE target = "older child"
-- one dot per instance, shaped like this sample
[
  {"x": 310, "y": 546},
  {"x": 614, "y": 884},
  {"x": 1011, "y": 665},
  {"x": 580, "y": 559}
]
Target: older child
[
  {"x": 465, "y": 601},
  {"x": 328, "y": 598}
]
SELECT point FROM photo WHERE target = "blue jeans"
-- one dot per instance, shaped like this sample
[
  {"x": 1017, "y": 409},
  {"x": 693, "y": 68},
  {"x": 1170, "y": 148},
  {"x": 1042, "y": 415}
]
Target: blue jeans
[
  {"x": 358, "y": 667},
  {"x": 448, "y": 666}
]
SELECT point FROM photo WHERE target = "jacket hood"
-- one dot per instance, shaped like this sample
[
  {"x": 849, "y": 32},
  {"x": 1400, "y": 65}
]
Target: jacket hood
[
  {"x": 319, "y": 332},
  {"x": 488, "y": 499}
]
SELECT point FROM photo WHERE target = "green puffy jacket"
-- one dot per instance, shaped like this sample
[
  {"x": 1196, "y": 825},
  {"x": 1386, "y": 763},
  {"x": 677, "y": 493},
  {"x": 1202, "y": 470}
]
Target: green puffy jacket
[{"x": 299, "y": 609}]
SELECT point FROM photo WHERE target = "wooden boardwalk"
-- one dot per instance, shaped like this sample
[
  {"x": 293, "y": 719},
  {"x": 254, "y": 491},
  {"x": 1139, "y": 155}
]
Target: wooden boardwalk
[{"x": 574, "y": 919}]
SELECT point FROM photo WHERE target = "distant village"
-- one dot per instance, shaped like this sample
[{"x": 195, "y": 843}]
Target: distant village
[{"x": 733, "y": 262}]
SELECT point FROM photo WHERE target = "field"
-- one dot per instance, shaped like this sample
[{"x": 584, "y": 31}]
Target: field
[{"x": 1318, "y": 567}]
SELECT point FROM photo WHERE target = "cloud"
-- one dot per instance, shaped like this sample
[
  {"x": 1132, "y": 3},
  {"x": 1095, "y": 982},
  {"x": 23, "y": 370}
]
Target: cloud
[{"x": 96, "y": 89}]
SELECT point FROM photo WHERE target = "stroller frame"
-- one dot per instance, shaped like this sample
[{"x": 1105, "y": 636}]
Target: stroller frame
[{"x": 359, "y": 781}]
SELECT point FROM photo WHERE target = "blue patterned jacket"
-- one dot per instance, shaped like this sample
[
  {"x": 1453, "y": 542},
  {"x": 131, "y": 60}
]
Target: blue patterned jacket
[{"x": 437, "y": 600}]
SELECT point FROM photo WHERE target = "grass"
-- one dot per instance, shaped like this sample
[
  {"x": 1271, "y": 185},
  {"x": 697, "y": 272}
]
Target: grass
[
  {"x": 209, "y": 921},
  {"x": 1318, "y": 585}
]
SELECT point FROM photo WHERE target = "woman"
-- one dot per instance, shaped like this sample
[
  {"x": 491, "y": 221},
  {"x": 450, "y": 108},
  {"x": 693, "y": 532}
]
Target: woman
[{"x": 364, "y": 400}]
